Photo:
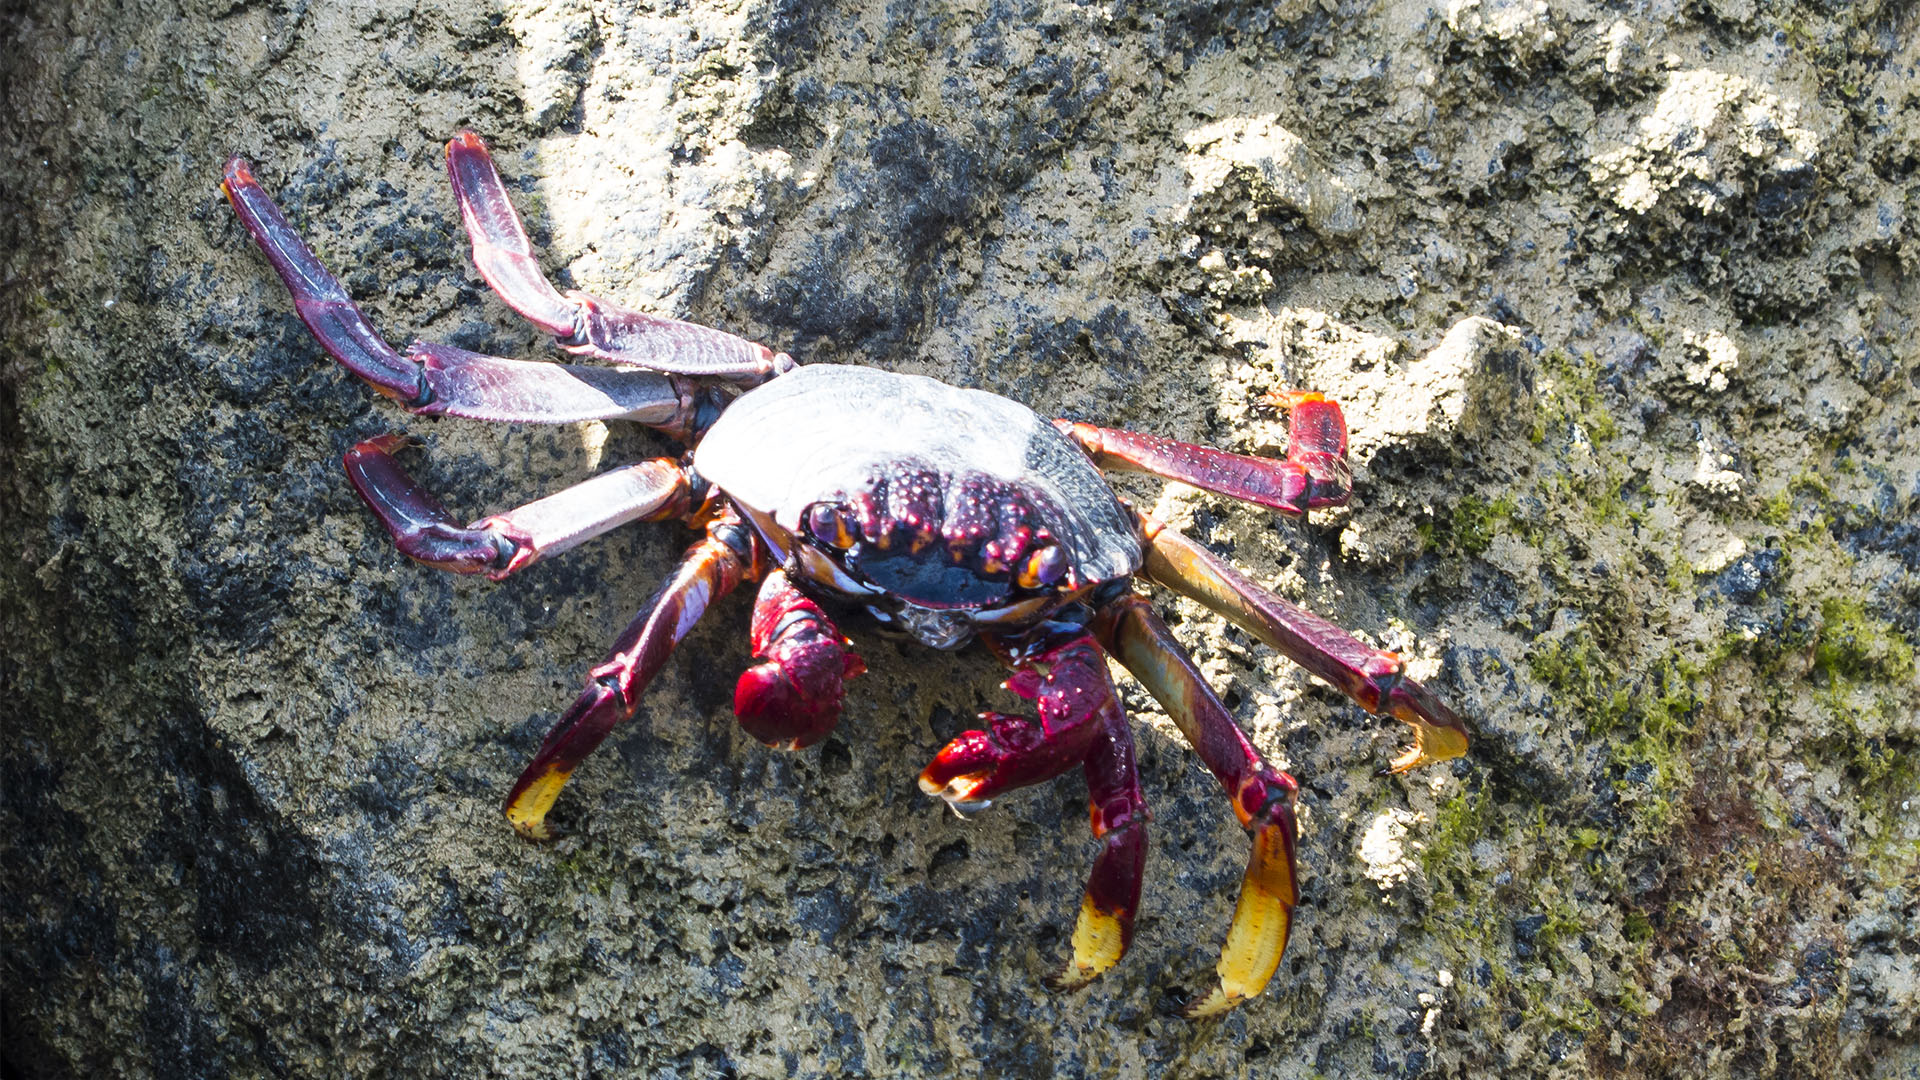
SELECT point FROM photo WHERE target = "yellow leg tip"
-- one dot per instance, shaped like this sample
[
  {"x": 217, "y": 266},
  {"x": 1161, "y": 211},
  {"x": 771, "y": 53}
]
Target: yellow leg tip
[
  {"x": 1432, "y": 744},
  {"x": 1217, "y": 1001},
  {"x": 527, "y": 811},
  {"x": 1099, "y": 940},
  {"x": 1261, "y": 923}
]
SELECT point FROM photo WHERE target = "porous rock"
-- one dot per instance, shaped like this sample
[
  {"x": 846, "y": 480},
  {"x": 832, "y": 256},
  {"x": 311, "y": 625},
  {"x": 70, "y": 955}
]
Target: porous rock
[{"x": 253, "y": 759}]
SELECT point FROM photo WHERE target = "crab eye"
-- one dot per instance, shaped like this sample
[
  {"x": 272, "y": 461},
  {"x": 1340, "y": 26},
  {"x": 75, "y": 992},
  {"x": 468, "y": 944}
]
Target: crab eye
[
  {"x": 830, "y": 523},
  {"x": 1043, "y": 567}
]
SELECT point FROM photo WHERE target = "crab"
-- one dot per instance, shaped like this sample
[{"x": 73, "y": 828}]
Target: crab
[{"x": 944, "y": 514}]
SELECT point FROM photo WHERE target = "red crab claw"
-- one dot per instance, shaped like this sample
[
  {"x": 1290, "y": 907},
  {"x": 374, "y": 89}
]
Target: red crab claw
[
  {"x": 1080, "y": 722},
  {"x": 1017, "y": 750},
  {"x": 793, "y": 699}
]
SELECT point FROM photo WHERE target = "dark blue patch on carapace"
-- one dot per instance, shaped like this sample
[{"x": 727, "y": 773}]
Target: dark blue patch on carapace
[{"x": 929, "y": 579}]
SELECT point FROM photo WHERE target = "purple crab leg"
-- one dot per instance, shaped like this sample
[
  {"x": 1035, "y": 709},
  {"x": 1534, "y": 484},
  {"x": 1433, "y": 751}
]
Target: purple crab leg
[
  {"x": 1314, "y": 474},
  {"x": 496, "y": 546},
  {"x": 1373, "y": 678},
  {"x": 1117, "y": 811},
  {"x": 1262, "y": 798},
  {"x": 433, "y": 379},
  {"x": 585, "y": 324},
  {"x": 710, "y": 570}
]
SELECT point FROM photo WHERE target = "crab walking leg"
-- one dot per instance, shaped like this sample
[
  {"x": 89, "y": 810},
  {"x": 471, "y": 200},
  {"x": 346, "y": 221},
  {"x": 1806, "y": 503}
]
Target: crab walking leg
[
  {"x": 1314, "y": 474},
  {"x": 433, "y": 379},
  {"x": 793, "y": 699},
  {"x": 1118, "y": 813},
  {"x": 710, "y": 570},
  {"x": 1262, "y": 798},
  {"x": 499, "y": 545},
  {"x": 1071, "y": 699},
  {"x": 1374, "y": 678},
  {"x": 585, "y": 324}
]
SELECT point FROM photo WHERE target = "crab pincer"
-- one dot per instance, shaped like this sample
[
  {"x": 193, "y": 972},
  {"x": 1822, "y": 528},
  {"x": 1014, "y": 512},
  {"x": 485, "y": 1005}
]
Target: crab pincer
[
  {"x": 1015, "y": 751},
  {"x": 792, "y": 699}
]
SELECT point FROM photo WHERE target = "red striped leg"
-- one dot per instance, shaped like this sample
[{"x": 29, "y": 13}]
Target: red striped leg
[
  {"x": 793, "y": 699},
  {"x": 496, "y": 546},
  {"x": 1262, "y": 798},
  {"x": 1314, "y": 474},
  {"x": 433, "y": 379},
  {"x": 586, "y": 325},
  {"x": 1118, "y": 813},
  {"x": 710, "y": 570},
  {"x": 1374, "y": 678}
]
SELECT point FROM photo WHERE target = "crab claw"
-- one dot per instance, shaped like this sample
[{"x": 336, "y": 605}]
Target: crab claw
[
  {"x": 968, "y": 771},
  {"x": 792, "y": 699},
  {"x": 1016, "y": 751}
]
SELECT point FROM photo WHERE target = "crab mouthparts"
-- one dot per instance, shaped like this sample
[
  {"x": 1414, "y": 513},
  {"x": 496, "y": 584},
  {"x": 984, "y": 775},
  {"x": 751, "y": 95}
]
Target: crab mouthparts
[{"x": 935, "y": 629}]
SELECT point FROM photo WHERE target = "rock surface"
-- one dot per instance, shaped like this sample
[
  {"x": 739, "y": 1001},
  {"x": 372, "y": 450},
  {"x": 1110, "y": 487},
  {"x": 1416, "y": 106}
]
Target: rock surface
[{"x": 1625, "y": 301}]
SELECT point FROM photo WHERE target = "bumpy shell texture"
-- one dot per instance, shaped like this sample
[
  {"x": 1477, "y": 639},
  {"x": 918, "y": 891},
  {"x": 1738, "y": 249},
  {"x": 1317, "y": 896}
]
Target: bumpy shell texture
[{"x": 823, "y": 429}]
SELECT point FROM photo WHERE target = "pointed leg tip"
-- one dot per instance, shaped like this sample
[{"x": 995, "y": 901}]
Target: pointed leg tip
[
  {"x": 1100, "y": 939},
  {"x": 1288, "y": 399},
  {"x": 533, "y": 796},
  {"x": 1432, "y": 745},
  {"x": 1408, "y": 759},
  {"x": 237, "y": 182},
  {"x": 535, "y": 830},
  {"x": 392, "y": 442},
  {"x": 1068, "y": 979},
  {"x": 1262, "y": 921},
  {"x": 1218, "y": 1002}
]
